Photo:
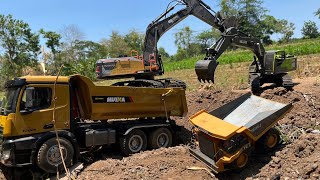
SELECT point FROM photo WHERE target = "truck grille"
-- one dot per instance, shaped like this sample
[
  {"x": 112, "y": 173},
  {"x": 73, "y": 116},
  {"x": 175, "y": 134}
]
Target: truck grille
[{"x": 206, "y": 146}]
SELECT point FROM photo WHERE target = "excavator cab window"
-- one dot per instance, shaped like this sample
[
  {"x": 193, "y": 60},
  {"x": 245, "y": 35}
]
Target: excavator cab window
[{"x": 280, "y": 56}]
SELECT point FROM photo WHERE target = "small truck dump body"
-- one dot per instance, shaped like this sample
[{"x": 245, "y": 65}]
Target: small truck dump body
[{"x": 226, "y": 136}]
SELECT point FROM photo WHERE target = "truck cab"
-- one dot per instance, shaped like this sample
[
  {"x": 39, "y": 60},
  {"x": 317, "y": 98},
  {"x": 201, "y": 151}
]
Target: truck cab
[{"x": 26, "y": 116}]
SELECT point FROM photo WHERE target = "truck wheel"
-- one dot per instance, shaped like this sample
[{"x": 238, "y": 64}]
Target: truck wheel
[
  {"x": 49, "y": 158},
  {"x": 134, "y": 142},
  {"x": 270, "y": 140},
  {"x": 241, "y": 162},
  {"x": 161, "y": 137}
]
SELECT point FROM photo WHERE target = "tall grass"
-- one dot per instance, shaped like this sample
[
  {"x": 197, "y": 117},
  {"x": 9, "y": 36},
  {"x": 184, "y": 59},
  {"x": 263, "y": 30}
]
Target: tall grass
[{"x": 297, "y": 48}]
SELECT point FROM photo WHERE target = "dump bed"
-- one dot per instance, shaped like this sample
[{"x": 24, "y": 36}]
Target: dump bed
[
  {"x": 114, "y": 102},
  {"x": 248, "y": 113}
]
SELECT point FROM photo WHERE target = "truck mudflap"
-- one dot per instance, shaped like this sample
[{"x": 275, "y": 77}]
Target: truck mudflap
[{"x": 196, "y": 153}]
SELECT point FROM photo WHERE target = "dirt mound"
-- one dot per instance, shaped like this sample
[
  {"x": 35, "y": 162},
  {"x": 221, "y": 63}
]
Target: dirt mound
[
  {"x": 169, "y": 163},
  {"x": 299, "y": 160}
]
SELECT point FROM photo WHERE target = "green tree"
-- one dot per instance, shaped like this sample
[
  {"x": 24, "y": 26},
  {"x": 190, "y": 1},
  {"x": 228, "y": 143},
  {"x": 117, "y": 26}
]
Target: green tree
[
  {"x": 88, "y": 52},
  {"x": 317, "y": 13},
  {"x": 51, "y": 60},
  {"x": 116, "y": 45},
  {"x": 254, "y": 20},
  {"x": 135, "y": 40},
  {"x": 286, "y": 30},
  {"x": 90, "y": 49},
  {"x": 184, "y": 38},
  {"x": 20, "y": 45},
  {"x": 207, "y": 38},
  {"x": 163, "y": 53},
  {"x": 53, "y": 40},
  {"x": 310, "y": 30}
]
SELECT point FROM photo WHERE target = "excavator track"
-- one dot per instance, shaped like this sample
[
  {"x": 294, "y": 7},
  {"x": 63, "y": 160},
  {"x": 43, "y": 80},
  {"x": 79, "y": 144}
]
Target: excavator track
[
  {"x": 287, "y": 81},
  {"x": 140, "y": 83},
  {"x": 169, "y": 82},
  {"x": 159, "y": 83}
]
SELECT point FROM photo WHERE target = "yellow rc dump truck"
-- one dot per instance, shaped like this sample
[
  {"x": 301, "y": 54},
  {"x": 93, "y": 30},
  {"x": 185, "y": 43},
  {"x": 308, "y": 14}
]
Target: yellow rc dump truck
[
  {"x": 86, "y": 116},
  {"x": 225, "y": 137}
]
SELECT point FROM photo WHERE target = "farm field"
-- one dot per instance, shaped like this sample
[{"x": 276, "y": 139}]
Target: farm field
[{"x": 298, "y": 48}]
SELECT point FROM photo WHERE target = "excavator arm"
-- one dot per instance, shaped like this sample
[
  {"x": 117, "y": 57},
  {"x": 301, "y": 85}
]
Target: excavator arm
[
  {"x": 151, "y": 62},
  {"x": 231, "y": 37},
  {"x": 162, "y": 24}
]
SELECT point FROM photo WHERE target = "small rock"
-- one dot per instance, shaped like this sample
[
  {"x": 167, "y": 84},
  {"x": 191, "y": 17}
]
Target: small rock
[
  {"x": 276, "y": 159},
  {"x": 315, "y": 131},
  {"x": 276, "y": 176}
]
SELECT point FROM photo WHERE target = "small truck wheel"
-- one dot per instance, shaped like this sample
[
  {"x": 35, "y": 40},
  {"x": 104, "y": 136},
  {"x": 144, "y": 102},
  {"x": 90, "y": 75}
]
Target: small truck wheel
[
  {"x": 133, "y": 142},
  {"x": 49, "y": 158},
  {"x": 161, "y": 137},
  {"x": 270, "y": 140},
  {"x": 239, "y": 163}
]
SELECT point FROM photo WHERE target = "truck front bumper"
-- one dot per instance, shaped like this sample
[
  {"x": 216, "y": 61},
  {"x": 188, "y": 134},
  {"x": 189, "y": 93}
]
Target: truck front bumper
[
  {"x": 205, "y": 159},
  {"x": 17, "y": 152}
]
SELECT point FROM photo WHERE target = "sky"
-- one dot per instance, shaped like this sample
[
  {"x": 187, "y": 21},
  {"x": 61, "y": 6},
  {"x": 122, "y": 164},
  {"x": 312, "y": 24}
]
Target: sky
[{"x": 97, "y": 18}]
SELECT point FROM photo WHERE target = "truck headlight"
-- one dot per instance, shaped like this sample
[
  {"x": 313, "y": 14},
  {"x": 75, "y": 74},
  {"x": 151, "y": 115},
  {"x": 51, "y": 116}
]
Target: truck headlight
[{"x": 6, "y": 155}]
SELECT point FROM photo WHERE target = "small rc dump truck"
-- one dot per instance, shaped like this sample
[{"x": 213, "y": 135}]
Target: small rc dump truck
[
  {"x": 225, "y": 137},
  {"x": 86, "y": 116}
]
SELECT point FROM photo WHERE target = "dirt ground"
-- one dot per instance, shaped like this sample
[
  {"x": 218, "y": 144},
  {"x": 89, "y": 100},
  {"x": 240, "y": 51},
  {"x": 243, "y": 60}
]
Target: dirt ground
[{"x": 298, "y": 156}]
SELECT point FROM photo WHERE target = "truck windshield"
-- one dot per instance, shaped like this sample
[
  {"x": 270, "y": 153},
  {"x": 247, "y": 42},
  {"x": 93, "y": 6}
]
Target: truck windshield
[{"x": 9, "y": 101}]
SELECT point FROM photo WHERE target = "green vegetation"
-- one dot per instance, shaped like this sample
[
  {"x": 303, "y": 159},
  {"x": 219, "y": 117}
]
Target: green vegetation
[
  {"x": 297, "y": 48},
  {"x": 1, "y": 95}
]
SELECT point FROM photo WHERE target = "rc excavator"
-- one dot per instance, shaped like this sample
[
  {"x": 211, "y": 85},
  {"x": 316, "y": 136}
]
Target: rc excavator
[
  {"x": 267, "y": 66},
  {"x": 144, "y": 68}
]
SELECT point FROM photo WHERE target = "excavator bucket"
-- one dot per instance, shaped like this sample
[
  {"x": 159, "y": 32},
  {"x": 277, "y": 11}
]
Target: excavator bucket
[{"x": 205, "y": 70}]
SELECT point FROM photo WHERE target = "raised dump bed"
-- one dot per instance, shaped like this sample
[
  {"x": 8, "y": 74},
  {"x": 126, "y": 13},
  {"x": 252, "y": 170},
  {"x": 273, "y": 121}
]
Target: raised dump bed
[
  {"x": 115, "y": 102},
  {"x": 226, "y": 136}
]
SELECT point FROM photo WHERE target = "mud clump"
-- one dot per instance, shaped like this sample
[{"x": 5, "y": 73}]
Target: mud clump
[{"x": 297, "y": 160}]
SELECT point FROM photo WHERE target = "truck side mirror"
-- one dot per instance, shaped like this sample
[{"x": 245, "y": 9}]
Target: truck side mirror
[{"x": 30, "y": 97}]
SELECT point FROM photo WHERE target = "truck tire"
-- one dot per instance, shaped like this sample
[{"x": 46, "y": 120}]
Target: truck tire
[
  {"x": 133, "y": 142},
  {"x": 241, "y": 161},
  {"x": 269, "y": 141},
  {"x": 161, "y": 137},
  {"x": 48, "y": 157}
]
